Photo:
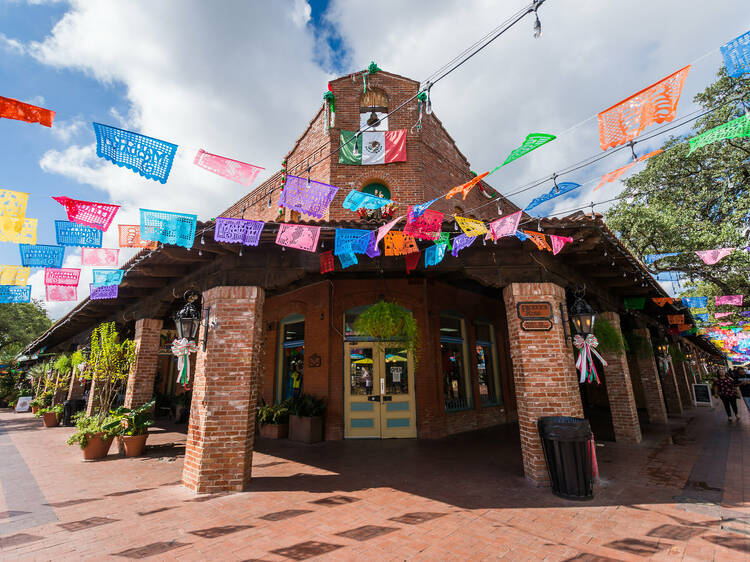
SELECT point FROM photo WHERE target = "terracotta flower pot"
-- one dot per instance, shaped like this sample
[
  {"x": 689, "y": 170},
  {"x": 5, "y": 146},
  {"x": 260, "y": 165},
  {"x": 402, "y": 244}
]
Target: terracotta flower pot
[
  {"x": 134, "y": 445},
  {"x": 50, "y": 419},
  {"x": 305, "y": 429},
  {"x": 34, "y": 409},
  {"x": 96, "y": 448},
  {"x": 274, "y": 431}
]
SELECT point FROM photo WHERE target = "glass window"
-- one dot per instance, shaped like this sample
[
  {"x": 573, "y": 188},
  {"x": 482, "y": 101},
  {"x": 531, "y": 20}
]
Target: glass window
[
  {"x": 361, "y": 371},
  {"x": 290, "y": 380},
  {"x": 456, "y": 387},
  {"x": 486, "y": 363},
  {"x": 396, "y": 370}
]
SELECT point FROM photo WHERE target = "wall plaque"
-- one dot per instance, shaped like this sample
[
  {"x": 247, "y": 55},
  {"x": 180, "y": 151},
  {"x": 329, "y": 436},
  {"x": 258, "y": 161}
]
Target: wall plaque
[
  {"x": 534, "y": 310},
  {"x": 314, "y": 361},
  {"x": 536, "y": 325}
]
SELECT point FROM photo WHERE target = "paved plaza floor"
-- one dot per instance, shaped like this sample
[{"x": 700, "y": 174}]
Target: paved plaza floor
[{"x": 683, "y": 494}]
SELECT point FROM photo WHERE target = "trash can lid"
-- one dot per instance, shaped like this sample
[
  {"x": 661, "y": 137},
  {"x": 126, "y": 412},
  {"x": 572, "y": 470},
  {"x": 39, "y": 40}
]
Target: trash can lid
[{"x": 564, "y": 428}]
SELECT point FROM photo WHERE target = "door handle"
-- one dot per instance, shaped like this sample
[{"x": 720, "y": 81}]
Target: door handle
[{"x": 374, "y": 398}]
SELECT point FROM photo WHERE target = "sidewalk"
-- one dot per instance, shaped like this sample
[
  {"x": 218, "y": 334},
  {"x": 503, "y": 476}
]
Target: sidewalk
[{"x": 680, "y": 495}]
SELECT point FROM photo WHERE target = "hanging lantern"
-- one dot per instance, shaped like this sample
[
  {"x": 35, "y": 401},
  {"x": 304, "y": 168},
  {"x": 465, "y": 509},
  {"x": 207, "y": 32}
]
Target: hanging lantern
[
  {"x": 187, "y": 320},
  {"x": 582, "y": 316}
]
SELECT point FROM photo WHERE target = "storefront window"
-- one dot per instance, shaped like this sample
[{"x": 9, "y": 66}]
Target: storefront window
[
  {"x": 456, "y": 387},
  {"x": 292, "y": 358},
  {"x": 486, "y": 363}
]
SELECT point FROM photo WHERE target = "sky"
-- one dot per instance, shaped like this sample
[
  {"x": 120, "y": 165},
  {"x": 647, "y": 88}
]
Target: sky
[{"x": 242, "y": 78}]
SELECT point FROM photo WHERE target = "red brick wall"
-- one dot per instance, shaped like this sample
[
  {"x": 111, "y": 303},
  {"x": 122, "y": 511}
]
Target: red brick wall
[
  {"x": 219, "y": 449},
  {"x": 545, "y": 375},
  {"x": 143, "y": 370},
  {"x": 434, "y": 163},
  {"x": 620, "y": 391}
]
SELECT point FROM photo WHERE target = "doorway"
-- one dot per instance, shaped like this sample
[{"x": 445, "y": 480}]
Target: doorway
[{"x": 378, "y": 391}]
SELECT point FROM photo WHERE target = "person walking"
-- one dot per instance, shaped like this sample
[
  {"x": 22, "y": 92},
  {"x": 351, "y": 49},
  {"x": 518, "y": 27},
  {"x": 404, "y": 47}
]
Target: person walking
[{"x": 725, "y": 387}]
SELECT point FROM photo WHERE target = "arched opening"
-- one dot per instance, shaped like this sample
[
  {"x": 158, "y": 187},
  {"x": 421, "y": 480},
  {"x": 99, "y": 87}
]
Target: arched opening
[{"x": 373, "y": 110}]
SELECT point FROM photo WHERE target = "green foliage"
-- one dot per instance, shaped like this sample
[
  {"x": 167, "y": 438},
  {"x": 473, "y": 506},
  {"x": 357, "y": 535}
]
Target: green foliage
[
  {"x": 19, "y": 325},
  {"x": 638, "y": 345},
  {"x": 44, "y": 400},
  {"x": 109, "y": 365},
  {"x": 276, "y": 414},
  {"x": 700, "y": 201},
  {"x": 57, "y": 409},
  {"x": 677, "y": 355},
  {"x": 306, "y": 405},
  {"x": 76, "y": 359},
  {"x": 610, "y": 340},
  {"x": 390, "y": 322},
  {"x": 62, "y": 364},
  {"x": 87, "y": 427},
  {"x": 127, "y": 421}
]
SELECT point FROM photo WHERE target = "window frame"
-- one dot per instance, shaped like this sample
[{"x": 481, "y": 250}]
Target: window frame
[
  {"x": 282, "y": 345},
  {"x": 498, "y": 399},
  {"x": 463, "y": 341}
]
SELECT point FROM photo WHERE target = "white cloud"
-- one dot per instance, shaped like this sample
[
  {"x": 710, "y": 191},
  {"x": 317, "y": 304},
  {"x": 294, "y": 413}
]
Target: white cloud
[{"x": 11, "y": 45}]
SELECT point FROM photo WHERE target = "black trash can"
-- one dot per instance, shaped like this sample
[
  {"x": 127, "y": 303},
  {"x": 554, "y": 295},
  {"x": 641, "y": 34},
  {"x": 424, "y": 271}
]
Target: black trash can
[
  {"x": 70, "y": 408},
  {"x": 567, "y": 449}
]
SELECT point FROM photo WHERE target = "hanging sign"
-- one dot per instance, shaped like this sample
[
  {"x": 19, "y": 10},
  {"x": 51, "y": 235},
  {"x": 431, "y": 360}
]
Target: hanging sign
[
  {"x": 168, "y": 227},
  {"x": 238, "y": 231},
  {"x": 541, "y": 310},
  {"x": 306, "y": 196},
  {"x": 88, "y": 213},
  {"x": 151, "y": 158},
  {"x": 234, "y": 170},
  {"x": 536, "y": 325},
  {"x": 69, "y": 233}
]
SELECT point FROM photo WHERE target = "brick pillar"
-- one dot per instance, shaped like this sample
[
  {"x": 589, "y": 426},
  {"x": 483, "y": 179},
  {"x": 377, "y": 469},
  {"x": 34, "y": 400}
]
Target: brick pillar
[
  {"x": 545, "y": 376},
  {"x": 678, "y": 367},
  {"x": 644, "y": 360},
  {"x": 669, "y": 386},
  {"x": 143, "y": 370},
  {"x": 620, "y": 391},
  {"x": 90, "y": 404},
  {"x": 76, "y": 387},
  {"x": 219, "y": 450}
]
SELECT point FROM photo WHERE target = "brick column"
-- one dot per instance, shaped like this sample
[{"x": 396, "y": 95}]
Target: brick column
[
  {"x": 76, "y": 387},
  {"x": 620, "y": 390},
  {"x": 644, "y": 360},
  {"x": 219, "y": 450},
  {"x": 90, "y": 404},
  {"x": 143, "y": 370},
  {"x": 682, "y": 383},
  {"x": 545, "y": 376},
  {"x": 669, "y": 386}
]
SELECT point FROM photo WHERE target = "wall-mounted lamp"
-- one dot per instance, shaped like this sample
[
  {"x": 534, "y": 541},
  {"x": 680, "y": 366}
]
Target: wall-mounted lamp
[
  {"x": 582, "y": 315},
  {"x": 188, "y": 319}
]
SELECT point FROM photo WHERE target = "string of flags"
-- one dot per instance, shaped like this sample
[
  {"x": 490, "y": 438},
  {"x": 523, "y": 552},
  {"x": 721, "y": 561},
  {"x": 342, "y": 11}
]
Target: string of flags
[
  {"x": 153, "y": 158},
  {"x": 709, "y": 257}
]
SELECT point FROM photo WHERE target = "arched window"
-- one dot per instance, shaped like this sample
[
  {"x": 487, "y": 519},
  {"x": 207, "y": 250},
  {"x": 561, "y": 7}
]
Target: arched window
[
  {"x": 378, "y": 190},
  {"x": 291, "y": 355},
  {"x": 373, "y": 108}
]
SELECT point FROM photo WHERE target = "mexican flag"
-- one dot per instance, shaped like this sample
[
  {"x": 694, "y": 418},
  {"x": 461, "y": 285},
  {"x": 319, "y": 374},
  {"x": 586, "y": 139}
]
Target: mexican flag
[{"x": 373, "y": 147}]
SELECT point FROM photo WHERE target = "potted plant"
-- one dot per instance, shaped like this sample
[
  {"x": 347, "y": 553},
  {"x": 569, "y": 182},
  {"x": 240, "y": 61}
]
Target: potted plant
[
  {"x": 131, "y": 426},
  {"x": 44, "y": 400},
  {"x": 50, "y": 416},
  {"x": 91, "y": 436},
  {"x": 273, "y": 421},
  {"x": 108, "y": 367},
  {"x": 306, "y": 418}
]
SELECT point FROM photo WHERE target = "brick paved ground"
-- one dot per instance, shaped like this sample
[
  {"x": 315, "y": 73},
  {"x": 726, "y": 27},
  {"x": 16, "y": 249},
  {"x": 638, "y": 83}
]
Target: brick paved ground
[{"x": 681, "y": 494}]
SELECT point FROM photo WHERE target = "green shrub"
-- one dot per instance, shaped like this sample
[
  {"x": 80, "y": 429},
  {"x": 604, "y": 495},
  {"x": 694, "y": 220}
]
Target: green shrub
[
  {"x": 127, "y": 421},
  {"x": 307, "y": 405},
  {"x": 277, "y": 414},
  {"x": 610, "y": 340},
  {"x": 86, "y": 427}
]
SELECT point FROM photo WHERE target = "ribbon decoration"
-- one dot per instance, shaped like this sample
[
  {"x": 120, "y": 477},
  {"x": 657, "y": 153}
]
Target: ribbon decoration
[
  {"x": 103, "y": 292},
  {"x": 634, "y": 303},
  {"x": 465, "y": 188},
  {"x": 712, "y": 257},
  {"x": 657, "y": 103},
  {"x": 676, "y": 318},
  {"x": 88, "y": 213},
  {"x": 702, "y": 317},
  {"x": 14, "y": 109},
  {"x": 460, "y": 242},
  {"x": 61, "y": 293},
  {"x": 351, "y": 241},
  {"x": 151, "y": 158},
  {"x": 305, "y": 196},
  {"x": 411, "y": 261},
  {"x": 397, "y": 243},
  {"x": 130, "y": 237},
  {"x": 348, "y": 259},
  {"x": 539, "y": 239},
  {"x": 531, "y": 142},
  {"x": 427, "y": 226},
  {"x": 739, "y": 127},
  {"x": 233, "y": 170},
  {"x": 661, "y": 301},
  {"x": 471, "y": 227},
  {"x": 66, "y": 276},
  {"x": 69, "y": 233},
  {"x": 104, "y": 277},
  {"x": 386, "y": 228},
  {"x": 648, "y": 259},
  {"x": 434, "y": 254},
  {"x": 418, "y": 210},
  {"x": 182, "y": 350},
  {"x": 372, "y": 246},
  {"x": 505, "y": 226},
  {"x": 695, "y": 302},
  {"x": 736, "y": 54},
  {"x": 617, "y": 174},
  {"x": 168, "y": 227},
  {"x": 238, "y": 231},
  {"x": 722, "y": 314},
  {"x": 559, "y": 189},
  {"x": 734, "y": 300},
  {"x": 585, "y": 362}
]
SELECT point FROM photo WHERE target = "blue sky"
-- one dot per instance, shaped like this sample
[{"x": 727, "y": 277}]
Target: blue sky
[{"x": 244, "y": 80}]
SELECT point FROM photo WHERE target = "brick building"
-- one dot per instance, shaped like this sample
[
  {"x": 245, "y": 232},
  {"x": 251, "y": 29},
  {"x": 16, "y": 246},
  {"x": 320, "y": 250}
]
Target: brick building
[{"x": 272, "y": 317}]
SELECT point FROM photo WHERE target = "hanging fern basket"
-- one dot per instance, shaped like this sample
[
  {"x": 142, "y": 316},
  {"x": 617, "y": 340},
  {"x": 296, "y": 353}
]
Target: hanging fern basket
[{"x": 387, "y": 321}]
